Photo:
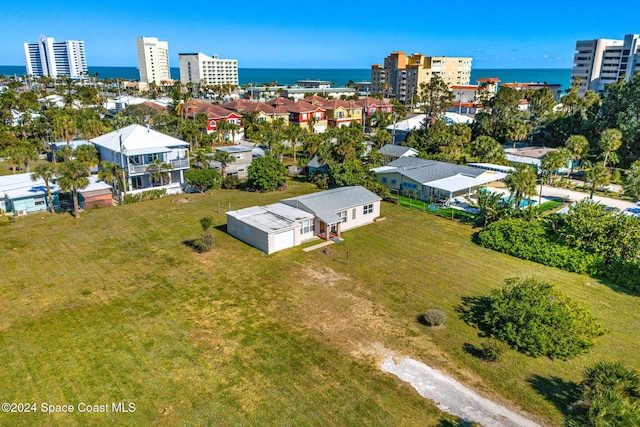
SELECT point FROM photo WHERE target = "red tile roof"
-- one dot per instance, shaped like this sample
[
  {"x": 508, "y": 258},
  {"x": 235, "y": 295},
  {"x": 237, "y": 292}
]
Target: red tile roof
[
  {"x": 489, "y": 80},
  {"x": 302, "y": 107},
  {"x": 369, "y": 101}
]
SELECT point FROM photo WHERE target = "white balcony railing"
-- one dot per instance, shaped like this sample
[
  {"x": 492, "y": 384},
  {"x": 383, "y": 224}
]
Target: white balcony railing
[{"x": 174, "y": 164}]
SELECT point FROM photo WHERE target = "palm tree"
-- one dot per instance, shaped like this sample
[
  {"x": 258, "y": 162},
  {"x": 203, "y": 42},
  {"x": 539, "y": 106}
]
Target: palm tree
[
  {"x": 610, "y": 140},
  {"x": 224, "y": 158},
  {"x": 112, "y": 173},
  {"x": 65, "y": 126},
  {"x": 294, "y": 133},
  {"x": 46, "y": 172},
  {"x": 521, "y": 182},
  {"x": 517, "y": 131},
  {"x": 578, "y": 146},
  {"x": 201, "y": 156},
  {"x": 598, "y": 175},
  {"x": 73, "y": 177},
  {"x": 159, "y": 171},
  {"x": 87, "y": 154}
]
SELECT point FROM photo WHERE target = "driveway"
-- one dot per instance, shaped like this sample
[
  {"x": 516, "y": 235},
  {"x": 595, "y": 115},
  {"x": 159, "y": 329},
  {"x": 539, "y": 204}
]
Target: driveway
[{"x": 573, "y": 196}]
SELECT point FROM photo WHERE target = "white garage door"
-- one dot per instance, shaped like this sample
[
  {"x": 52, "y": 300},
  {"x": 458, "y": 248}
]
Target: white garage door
[{"x": 283, "y": 240}]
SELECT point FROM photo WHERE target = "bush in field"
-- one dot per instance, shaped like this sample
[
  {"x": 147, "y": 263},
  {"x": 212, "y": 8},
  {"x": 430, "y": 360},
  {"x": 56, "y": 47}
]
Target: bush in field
[
  {"x": 230, "y": 182},
  {"x": 433, "y": 318},
  {"x": 202, "y": 179},
  {"x": 537, "y": 320},
  {"x": 491, "y": 350}
]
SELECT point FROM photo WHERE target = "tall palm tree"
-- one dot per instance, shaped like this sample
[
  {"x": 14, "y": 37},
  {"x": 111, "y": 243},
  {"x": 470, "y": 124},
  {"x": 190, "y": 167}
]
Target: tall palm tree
[
  {"x": 598, "y": 175},
  {"x": 73, "y": 177},
  {"x": 610, "y": 140},
  {"x": 224, "y": 158},
  {"x": 517, "y": 131},
  {"x": 65, "y": 126},
  {"x": 521, "y": 182},
  {"x": 159, "y": 171},
  {"x": 201, "y": 156},
  {"x": 87, "y": 154},
  {"x": 112, "y": 173},
  {"x": 578, "y": 146},
  {"x": 46, "y": 172},
  {"x": 293, "y": 134}
]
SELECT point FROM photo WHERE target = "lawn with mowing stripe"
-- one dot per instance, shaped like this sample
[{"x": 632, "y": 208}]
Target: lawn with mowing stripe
[{"x": 115, "y": 307}]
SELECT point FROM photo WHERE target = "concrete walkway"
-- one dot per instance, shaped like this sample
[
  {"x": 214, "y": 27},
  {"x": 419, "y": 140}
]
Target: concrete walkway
[{"x": 453, "y": 397}]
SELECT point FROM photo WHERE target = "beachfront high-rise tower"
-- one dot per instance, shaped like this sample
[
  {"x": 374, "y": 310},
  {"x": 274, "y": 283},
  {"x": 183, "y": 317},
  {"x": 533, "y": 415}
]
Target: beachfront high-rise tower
[
  {"x": 401, "y": 75},
  {"x": 52, "y": 59},
  {"x": 203, "y": 69},
  {"x": 153, "y": 60},
  {"x": 600, "y": 62}
]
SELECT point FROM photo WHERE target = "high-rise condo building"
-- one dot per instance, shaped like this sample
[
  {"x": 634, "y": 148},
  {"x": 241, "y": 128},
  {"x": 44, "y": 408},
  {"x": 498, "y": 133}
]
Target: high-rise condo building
[
  {"x": 401, "y": 75},
  {"x": 153, "y": 60},
  {"x": 602, "y": 61},
  {"x": 52, "y": 59},
  {"x": 200, "y": 68}
]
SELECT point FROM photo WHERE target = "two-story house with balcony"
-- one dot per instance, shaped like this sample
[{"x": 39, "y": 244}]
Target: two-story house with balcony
[
  {"x": 216, "y": 114},
  {"x": 150, "y": 159},
  {"x": 308, "y": 116},
  {"x": 339, "y": 113}
]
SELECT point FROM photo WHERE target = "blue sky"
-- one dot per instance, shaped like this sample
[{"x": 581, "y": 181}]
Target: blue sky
[{"x": 287, "y": 34}]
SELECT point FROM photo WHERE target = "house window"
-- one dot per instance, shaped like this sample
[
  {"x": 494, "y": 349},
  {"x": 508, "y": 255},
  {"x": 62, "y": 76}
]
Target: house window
[
  {"x": 367, "y": 209},
  {"x": 393, "y": 182},
  {"x": 384, "y": 179},
  {"x": 136, "y": 182},
  {"x": 353, "y": 213},
  {"x": 307, "y": 227},
  {"x": 343, "y": 216},
  {"x": 38, "y": 201}
]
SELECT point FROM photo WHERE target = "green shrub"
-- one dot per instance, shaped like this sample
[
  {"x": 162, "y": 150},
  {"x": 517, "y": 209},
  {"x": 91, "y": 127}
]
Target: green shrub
[
  {"x": 146, "y": 195},
  {"x": 433, "y": 318},
  {"x": 230, "y": 182},
  {"x": 529, "y": 240},
  {"x": 491, "y": 350},
  {"x": 537, "y": 320}
]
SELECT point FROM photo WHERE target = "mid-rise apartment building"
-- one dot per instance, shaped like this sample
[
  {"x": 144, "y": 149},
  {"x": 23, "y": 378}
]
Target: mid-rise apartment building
[
  {"x": 52, "y": 59},
  {"x": 200, "y": 68},
  {"x": 401, "y": 75},
  {"x": 600, "y": 62},
  {"x": 153, "y": 60}
]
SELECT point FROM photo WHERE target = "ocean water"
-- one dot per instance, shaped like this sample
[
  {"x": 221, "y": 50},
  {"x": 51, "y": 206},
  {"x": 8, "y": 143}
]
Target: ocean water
[{"x": 289, "y": 76}]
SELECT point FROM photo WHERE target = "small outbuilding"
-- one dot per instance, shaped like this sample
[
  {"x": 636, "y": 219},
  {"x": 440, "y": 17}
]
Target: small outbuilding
[{"x": 271, "y": 228}]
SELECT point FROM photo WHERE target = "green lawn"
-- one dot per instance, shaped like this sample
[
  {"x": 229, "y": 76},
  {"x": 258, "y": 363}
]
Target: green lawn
[{"x": 114, "y": 307}]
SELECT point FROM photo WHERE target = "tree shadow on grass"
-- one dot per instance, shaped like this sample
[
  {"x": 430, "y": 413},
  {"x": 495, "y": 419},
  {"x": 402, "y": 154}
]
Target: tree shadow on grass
[
  {"x": 557, "y": 391},
  {"x": 472, "y": 310},
  {"x": 472, "y": 350}
]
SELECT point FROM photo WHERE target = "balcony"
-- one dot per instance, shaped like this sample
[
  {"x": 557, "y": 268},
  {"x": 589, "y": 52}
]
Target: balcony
[{"x": 174, "y": 164}]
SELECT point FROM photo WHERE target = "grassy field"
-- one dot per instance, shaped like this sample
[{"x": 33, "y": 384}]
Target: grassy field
[{"x": 114, "y": 307}]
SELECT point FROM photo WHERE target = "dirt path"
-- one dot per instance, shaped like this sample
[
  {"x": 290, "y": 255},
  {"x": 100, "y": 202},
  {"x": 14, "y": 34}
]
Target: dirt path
[{"x": 451, "y": 396}]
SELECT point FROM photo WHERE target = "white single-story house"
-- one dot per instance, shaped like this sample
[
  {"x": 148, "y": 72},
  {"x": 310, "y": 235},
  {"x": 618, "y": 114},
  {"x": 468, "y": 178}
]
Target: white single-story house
[
  {"x": 433, "y": 181},
  {"x": 296, "y": 220},
  {"x": 139, "y": 151}
]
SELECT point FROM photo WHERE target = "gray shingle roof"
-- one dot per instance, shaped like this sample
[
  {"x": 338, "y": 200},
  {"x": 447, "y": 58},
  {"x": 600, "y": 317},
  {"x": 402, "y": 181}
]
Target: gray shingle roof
[
  {"x": 394, "y": 150},
  {"x": 325, "y": 204},
  {"x": 423, "y": 171}
]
